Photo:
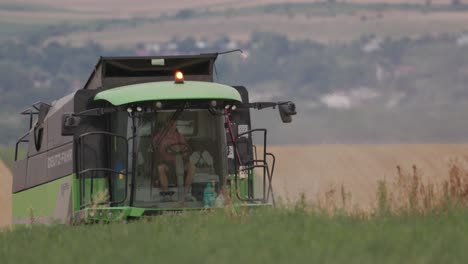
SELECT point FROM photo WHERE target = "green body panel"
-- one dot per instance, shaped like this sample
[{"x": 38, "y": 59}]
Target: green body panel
[
  {"x": 100, "y": 189},
  {"x": 112, "y": 214},
  {"x": 243, "y": 188},
  {"x": 243, "y": 185},
  {"x": 59, "y": 201},
  {"x": 99, "y": 185},
  {"x": 76, "y": 194},
  {"x": 190, "y": 90},
  {"x": 118, "y": 213},
  {"x": 40, "y": 201}
]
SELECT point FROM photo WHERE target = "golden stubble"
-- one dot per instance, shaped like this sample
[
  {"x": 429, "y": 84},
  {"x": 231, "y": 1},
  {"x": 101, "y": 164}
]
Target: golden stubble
[{"x": 5, "y": 196}]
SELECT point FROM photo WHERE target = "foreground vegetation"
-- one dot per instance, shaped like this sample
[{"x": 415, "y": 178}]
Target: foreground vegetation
[
  {"x": 413, "y": 222},
  {"x": 266, "y": 236}
]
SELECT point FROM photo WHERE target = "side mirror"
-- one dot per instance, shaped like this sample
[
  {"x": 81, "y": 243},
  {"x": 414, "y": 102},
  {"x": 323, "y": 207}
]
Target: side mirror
[
  {"x": 69, "y": 124},
  {"x": 287, "y": 110}
]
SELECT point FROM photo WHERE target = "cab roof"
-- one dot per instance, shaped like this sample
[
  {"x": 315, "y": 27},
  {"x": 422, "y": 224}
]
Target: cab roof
[
  {"x": 111, "y": 72},
  {"x": 168, "y": 90}
]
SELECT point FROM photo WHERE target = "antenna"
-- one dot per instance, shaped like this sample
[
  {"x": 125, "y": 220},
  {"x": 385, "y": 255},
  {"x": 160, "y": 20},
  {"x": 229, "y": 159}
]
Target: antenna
[{"x": 242, "y": 54}]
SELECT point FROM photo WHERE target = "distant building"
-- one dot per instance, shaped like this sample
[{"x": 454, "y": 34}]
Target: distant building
[
  {"x": 462, "y": 40},
  {"x": 200, "y": 44},
  {"x": 373, "y": 45}
]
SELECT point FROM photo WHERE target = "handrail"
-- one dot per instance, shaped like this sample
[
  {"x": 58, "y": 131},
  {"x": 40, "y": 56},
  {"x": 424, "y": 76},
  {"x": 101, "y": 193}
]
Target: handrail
[
  {"x": 102, "y": 133},
  {"x": 264, "y": 152},
  {"x": 20, "y": 140},
  {"x": 79, "y": 140},
  {"x": 256, "y": 163},
  {"x": 270, "y": 189}
]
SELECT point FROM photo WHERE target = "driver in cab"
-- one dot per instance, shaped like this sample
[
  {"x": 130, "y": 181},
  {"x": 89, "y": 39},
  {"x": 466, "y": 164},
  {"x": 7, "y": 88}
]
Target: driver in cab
[{"x": 169, "y": 144}]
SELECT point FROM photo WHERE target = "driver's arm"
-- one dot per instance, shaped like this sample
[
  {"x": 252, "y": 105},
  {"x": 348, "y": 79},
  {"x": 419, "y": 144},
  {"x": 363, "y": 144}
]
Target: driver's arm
[
  {"x": 187, "y": 154},
  {"x": 189, "y": 167}
]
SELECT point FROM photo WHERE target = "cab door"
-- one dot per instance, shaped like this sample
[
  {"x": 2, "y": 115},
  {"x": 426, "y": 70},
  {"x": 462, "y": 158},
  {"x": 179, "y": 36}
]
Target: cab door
[{"x": 239, "y": 123}]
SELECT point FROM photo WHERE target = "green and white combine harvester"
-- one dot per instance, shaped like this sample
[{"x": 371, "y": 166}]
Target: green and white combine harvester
[{"x": 98, "y": 154}]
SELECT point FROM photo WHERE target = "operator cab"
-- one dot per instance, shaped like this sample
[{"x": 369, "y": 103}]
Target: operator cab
[
  {"x": 190, "y": 143},
  {"x": 150, "y": 137}
]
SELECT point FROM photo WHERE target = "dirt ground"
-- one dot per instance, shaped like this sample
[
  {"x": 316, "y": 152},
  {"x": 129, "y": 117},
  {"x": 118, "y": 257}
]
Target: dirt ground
[{"x": 5, "y": 196}]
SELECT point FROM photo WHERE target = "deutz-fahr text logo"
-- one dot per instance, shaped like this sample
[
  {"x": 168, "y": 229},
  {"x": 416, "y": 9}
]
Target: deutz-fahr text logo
[{"x": 59, "y": 159}]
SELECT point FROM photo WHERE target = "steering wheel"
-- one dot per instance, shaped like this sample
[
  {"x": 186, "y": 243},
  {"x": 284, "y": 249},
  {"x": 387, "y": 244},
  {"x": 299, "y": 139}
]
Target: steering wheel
[{"x": 178, "y": 149}]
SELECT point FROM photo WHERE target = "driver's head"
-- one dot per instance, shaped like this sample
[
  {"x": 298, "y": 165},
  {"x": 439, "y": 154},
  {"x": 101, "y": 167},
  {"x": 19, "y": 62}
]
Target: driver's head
[
  {"x": 172, "y": 126},
  {"x": 167, "y": 122}
]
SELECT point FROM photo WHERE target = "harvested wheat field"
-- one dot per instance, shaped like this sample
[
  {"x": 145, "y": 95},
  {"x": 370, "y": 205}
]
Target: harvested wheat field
[
  {"x": 317, "y": 169},
  {"x": 5, "y": 196}
]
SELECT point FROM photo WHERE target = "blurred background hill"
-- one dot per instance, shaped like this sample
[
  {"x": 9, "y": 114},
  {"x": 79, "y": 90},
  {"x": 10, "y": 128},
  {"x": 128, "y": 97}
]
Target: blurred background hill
[{"x": 360, "y": 71}]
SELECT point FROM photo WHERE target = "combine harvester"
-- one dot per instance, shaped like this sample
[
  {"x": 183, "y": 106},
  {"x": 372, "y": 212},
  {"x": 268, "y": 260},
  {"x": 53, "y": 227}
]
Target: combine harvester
[{"x": 145, "y": 136}]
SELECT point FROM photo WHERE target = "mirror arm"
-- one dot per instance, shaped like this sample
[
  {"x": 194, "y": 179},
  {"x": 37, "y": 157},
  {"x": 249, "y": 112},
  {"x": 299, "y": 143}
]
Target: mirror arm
[
  {"x": 286, "y": 108},
  {"x": 263, "y": 105}
]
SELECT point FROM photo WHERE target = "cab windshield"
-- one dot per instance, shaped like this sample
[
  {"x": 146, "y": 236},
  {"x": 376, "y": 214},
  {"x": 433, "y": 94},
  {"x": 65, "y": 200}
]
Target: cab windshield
[{"x": 177, "y": 154}]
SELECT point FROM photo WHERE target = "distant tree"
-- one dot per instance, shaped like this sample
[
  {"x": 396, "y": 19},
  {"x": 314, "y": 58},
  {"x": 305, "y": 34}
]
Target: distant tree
[
  {"x": 187, "y": 44},
  {"x": 185, "y": 14},
  {"x": 456, "y": 2}
]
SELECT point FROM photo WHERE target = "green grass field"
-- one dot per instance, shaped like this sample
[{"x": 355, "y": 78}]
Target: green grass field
[{"x": 267, "y": 236}]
